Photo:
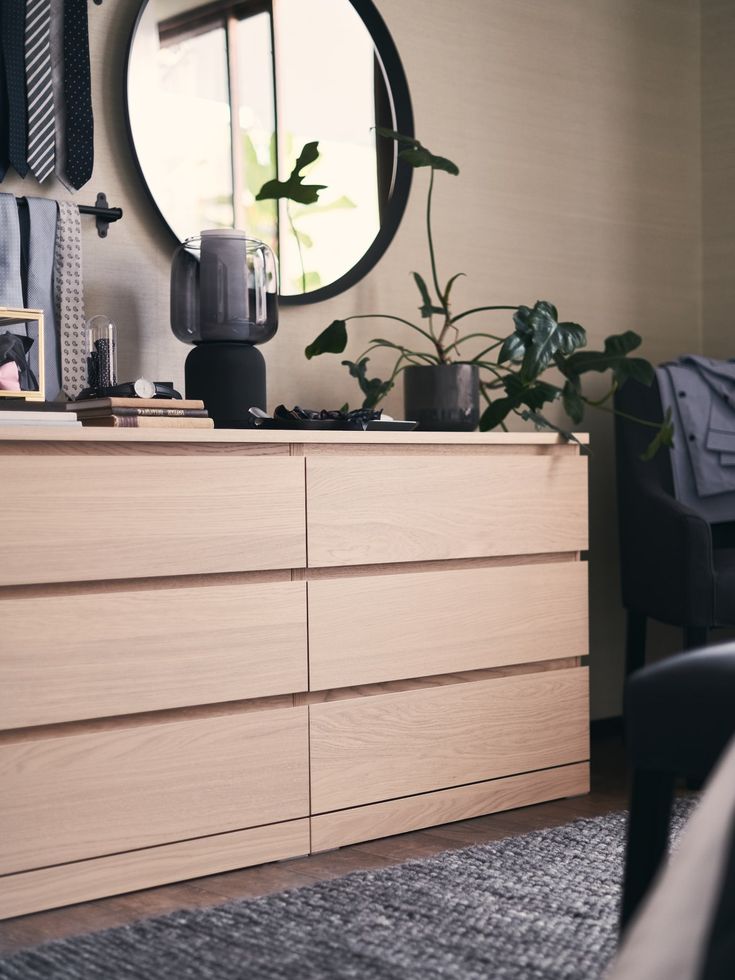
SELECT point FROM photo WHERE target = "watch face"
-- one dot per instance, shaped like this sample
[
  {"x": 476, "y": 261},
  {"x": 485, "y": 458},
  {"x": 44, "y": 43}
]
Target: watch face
[{"x": 144, "y": 388}]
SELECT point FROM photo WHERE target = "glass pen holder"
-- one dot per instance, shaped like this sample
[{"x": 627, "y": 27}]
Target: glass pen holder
[{"x": 101, "y": 352}]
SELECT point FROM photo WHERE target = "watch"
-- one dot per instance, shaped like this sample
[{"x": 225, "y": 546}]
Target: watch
[{"x": 141, "y": 388}]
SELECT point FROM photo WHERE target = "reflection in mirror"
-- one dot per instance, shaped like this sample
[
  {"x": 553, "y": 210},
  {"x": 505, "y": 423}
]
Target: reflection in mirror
[{"x": 222, "y": 97}]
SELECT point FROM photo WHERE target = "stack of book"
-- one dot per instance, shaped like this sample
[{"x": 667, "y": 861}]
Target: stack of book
[
  {"x": 143, "y": 413},
  {"x": 35, "y": 413}
]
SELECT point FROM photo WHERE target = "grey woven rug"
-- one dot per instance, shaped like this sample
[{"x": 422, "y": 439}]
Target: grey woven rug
[{"x": 543, "y": 906}]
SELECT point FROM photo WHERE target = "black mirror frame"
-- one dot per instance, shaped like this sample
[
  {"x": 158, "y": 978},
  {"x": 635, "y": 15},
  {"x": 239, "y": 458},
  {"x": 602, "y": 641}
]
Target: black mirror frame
[{"x": 403, "y": 122}]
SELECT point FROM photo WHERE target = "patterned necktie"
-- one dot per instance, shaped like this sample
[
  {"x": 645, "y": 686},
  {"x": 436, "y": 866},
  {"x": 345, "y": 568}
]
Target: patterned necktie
[
  {"x": 77, "y": 94},
  {"x": 11, "y": 288},
  {"x": 41, "y": 246},
  {"x": 3, "y": 116},
  {"x": 70, "y": 298},
  {"x": 12, "y": 28},
  {"x": 41, "y": 136}
]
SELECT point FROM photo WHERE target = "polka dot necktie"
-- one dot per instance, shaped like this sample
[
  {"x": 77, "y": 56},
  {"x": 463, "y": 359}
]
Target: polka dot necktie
[
  {"x": 77, "y": 94},
  {"x": 70, "y": 299},
  {"x": 12, "y": 29},
  {"x": 3, "y": 116}
]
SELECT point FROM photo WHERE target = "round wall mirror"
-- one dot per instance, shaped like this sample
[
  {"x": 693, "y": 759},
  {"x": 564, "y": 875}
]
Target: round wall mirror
[{"x": 225, "y": 97}]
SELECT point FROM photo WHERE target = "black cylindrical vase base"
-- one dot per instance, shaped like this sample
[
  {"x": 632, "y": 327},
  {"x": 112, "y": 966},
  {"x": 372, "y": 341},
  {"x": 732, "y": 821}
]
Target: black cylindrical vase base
[
  {"x": 442, "y": 398},
  {"x": 230, "y": 379}
]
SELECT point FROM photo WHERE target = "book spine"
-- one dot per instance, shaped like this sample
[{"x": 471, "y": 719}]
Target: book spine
[
  {"x": 139, "y": 422},
  {"x": 188, "y": 413}
]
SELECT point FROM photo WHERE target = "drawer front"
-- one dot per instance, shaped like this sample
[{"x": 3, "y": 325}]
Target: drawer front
[
  {"x": 104, "y": 792},
  {"x": 87, "y": 656},
  {"x": 367, "y": 629},
  {"x": 369, "y": 749},
  {"x": 78, "y": 518},
  {"x": 378, "y": 509}
]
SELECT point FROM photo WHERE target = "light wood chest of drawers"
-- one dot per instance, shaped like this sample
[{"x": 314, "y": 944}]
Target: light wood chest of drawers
[{"x": 220, "y": 649}]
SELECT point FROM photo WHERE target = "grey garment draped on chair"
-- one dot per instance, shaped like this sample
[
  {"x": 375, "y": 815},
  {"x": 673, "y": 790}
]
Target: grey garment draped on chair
[
  {"x": 69, "y": 295},
  {"x": 700, "y": 392},
  {"x": 41, "y": 248},
  {"x": 11, "y": 287}
]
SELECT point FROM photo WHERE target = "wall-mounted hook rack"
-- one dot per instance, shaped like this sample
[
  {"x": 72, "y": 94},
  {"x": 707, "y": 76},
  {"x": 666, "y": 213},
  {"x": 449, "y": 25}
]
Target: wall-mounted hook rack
[{"x": 103, "y": 212}]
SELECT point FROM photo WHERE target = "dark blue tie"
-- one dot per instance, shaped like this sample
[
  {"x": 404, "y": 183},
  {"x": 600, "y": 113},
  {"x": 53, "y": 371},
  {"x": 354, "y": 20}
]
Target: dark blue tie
[
  {"x": 12, "y": 28},
  {"x": 3, "y": 117},
  {"x": 77, "y": 94}
]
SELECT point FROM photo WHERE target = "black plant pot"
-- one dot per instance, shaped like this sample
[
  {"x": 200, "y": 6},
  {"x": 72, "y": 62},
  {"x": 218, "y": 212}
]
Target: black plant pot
[{"x": 442, "y": 398}]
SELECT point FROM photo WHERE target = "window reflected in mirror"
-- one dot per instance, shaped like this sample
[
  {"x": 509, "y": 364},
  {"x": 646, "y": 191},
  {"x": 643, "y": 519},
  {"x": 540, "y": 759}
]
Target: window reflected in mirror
[{"x": 223, "y": 96}]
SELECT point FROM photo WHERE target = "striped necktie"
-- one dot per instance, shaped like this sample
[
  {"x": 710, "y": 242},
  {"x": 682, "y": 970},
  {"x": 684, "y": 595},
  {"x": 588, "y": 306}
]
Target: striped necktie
[
  {"x": 12, "y": 29},
  {"x": 41, "y": 134},
  {"x": 77, "y": 94}
]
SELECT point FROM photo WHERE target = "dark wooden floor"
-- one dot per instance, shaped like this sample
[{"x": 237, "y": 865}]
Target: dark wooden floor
[{"x": 608, "y": 793}]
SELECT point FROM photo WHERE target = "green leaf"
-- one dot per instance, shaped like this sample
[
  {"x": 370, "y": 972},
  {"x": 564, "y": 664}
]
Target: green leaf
[
  {"x": 513, "y": 349},
  {"x": 544, "y": 337},
  {"x": 664, "y": 438},
  {"x": 573, "y": 404},
  {"x": 294, "y": 189},
  {"x": 333, "y": 340},
  {"x": 496, "y": 412},
  {"x": 449, "y": 285},
  {"x": 373, "y": 389},
  {"x": 427, "y": 309},
  {"x": 416, "y": 155},
  {"x": 613, "y": 358}
]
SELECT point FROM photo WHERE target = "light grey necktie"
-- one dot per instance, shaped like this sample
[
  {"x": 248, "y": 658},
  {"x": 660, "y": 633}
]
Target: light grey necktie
[
  {"x": 39, "y": 87},
  {"x": 57, "y": 74},
  {"x": 70, "y": 299},
  {"x": 11, "y": 288},
  {"x": 41, "y": 246}
]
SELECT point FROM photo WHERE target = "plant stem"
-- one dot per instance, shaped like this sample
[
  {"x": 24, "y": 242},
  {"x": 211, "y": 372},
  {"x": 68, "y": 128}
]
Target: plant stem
[
  {"x": 428, "y": 358},
  {"x": 298, "y": 246},
  {"x": 480, "y": 309},
  {"x": 470, "y": 336},
  {"x": 387, "y": 316},
  {"x": 431, "y": 248},
  {"x": 623, "y": 415}
]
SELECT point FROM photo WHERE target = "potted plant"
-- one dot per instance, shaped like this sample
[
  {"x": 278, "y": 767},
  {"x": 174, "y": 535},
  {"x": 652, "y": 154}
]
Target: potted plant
[{"x": 443, "y": 385}]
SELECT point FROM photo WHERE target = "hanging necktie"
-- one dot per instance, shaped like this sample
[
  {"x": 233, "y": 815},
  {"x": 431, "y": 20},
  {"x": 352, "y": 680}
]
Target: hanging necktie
[
  {"x": 39, "y": 85},
  {"x": 77, "y": 94},
  {"x": 11, "y": 288},
  {"x": 3, "y": 116},
  {"x": 70, "y": 299},
  {"x": 41, "y": 247},
  {"x": 12, "y": 29}
]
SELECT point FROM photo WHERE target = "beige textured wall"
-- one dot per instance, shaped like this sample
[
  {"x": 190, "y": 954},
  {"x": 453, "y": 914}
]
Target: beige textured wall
[
  {"x": 576, "y": 126},
  {"x": 718, "y": 177}
]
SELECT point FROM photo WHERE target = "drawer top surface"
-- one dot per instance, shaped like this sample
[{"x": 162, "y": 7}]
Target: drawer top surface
[{"x": 30, "y": 433}]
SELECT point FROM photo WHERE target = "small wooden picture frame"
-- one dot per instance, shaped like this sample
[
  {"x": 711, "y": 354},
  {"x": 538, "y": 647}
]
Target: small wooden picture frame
[{"x": 32, "y": 320}]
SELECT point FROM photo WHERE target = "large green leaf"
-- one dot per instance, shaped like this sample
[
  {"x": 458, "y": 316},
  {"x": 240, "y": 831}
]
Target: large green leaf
[
  {"x": 427, "y": 308},
  {"x": 496, "y": 412},
  {"x": 513, "y": 349},
  {"x": 416, "y": 155},
  {"x": 333, "y": 340},
  {"x": 373, "y": 389},
  {"x": 544, "y": 336},
  {"x": 573, "y": 404},
  {"x": 517, "y": 394},
  {"x": 294, "y": 189},
  {"x": 613, "y": 358}
]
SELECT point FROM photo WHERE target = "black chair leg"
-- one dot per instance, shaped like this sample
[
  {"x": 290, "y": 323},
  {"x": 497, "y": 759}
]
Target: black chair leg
[
  {"x": 648, "y": 835},
  {"x": 695, "y": 636},
  {"x": 635, "y": 642}
]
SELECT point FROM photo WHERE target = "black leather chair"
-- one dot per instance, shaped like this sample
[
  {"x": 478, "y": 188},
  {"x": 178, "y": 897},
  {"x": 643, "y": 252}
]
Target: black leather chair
[
  {"x": 675, "y": 567},
  {"x": 679, "y": 717}
]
